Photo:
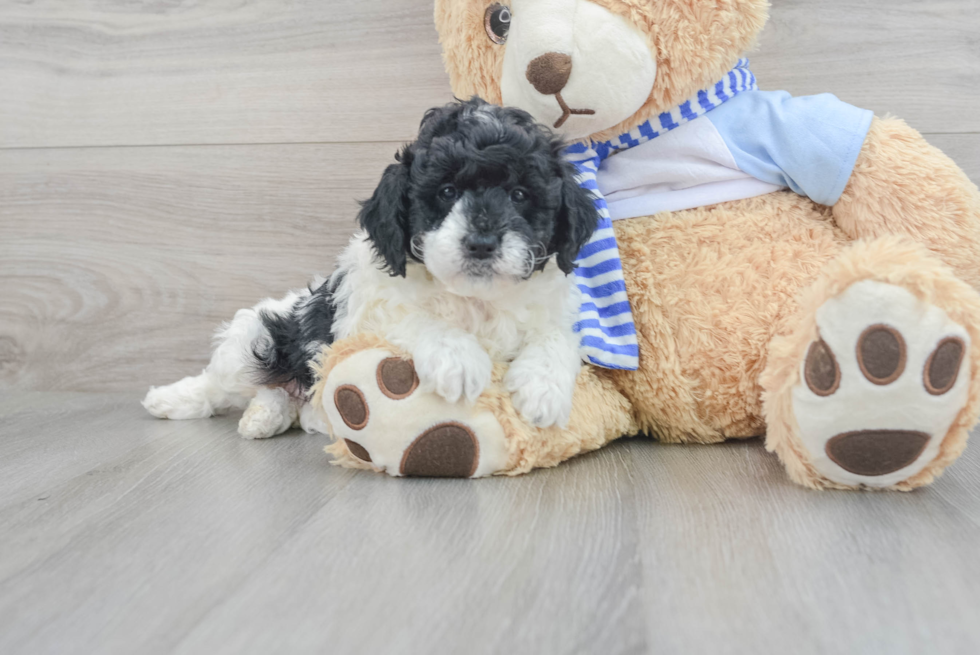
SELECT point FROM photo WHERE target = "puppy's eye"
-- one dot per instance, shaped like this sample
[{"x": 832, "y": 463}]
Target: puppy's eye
[
  {"x": 448, "y": 193},
  {"x": 518, "y": 195},
  {"x": 497, "y": 23}
]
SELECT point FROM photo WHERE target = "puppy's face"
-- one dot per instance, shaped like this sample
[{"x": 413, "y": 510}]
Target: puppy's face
[{"x": 482, "y": 199}]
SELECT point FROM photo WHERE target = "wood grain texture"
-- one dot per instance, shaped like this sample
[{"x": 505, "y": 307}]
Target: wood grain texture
[
  {"x": 274, "y": 71},
  {"x": 916, "y": 60},
  {"x": 127, "y": 534},
  {"x": 216, "y": 71},
  {"x": 116, "y": 265},
  {"x": 770, "y": 567}
]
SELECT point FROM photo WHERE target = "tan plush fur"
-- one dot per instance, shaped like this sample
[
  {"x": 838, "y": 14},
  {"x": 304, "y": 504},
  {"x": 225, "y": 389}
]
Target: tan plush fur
[
  {"x": 725, "y": 297},
  {"x": 693, "y": 41},
  {"x": 709, "y": 289},
  {"x": 903, "y": 185},
  {"x": 472, "y": 60},
  {"x": 600, "y": 414}
]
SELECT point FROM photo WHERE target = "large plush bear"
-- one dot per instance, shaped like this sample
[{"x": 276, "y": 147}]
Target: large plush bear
[{"x": 795, "y": 268}]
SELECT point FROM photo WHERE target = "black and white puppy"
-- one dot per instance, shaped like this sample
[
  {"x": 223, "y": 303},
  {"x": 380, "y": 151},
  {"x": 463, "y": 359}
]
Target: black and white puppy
[{"x": 463, "y": 259}]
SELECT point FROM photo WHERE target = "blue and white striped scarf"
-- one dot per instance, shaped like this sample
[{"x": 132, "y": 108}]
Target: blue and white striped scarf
[{"x": 605, "y": 325}]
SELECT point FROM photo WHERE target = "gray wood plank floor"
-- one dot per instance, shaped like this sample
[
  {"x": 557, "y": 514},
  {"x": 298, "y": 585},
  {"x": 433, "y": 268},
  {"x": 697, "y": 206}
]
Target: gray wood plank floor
[
  {"x": 125, "y": 534},
  {"x": 164, "y": 163}
]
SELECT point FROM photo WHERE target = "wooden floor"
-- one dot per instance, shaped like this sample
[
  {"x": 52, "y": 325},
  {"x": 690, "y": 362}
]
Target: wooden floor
[
  {"x": 164, "y": 163},
  {"x": 125, "y": 534}
]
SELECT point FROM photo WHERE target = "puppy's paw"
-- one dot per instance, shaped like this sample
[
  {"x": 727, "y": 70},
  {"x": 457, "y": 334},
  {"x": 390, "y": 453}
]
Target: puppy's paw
[
  {"x": 270, "y": 413},
  {"x": 185, "y": 399},
  {"x": 454, "y": 367},
  {"x": 158, "y": 402},
  {"x": 261, "y": 422},
  {"x": 542, "y": 397}
]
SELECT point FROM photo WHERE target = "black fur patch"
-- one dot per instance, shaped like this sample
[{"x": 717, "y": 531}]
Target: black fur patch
[{"x": 294, "y": 339}]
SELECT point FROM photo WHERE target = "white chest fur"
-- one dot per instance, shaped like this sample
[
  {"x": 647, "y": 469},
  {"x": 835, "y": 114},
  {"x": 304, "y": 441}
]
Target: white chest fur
[{"x": 502, "y": 314}]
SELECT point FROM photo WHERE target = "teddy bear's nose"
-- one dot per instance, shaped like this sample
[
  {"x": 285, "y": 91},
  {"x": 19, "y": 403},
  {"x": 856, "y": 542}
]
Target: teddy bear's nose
[{"x": 549, "y": 72}]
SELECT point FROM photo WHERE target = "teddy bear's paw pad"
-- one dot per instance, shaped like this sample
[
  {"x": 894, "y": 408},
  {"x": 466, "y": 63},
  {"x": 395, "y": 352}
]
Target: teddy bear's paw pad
[
  {"x": 876, "y": 452},
  {"x": 881, "y": 386},
  {"x": 943, "y": 367},
  {"x": 357, "y": 450},
  {"x": 351, "y": 406},
  {"x": 376, "y": 409},
  {"x": 821, "y": 372},
  {"x": 450, "y": 450}
]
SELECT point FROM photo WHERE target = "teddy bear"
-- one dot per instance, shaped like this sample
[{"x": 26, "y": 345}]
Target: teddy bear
[{"x": 795, "y": 269}]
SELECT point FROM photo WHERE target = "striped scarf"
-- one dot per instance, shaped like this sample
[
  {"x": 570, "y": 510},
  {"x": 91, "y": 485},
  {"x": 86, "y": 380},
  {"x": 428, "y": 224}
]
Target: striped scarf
[{"x": 605, "y": 325}]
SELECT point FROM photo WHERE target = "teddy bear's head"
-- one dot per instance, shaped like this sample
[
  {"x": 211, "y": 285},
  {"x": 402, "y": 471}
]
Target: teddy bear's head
[{"x": 593, "y": 67}]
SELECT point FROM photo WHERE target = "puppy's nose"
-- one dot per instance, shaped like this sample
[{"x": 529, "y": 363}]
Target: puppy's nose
[
  {"x": 549, "y": 72},
  {"x": 481, "y": 246}
]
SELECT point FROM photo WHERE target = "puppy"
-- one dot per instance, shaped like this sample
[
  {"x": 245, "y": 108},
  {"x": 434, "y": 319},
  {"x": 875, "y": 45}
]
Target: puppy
[{"x": 463, "y": 259}]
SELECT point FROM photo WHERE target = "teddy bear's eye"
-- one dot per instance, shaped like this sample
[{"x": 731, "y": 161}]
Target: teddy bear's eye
[{"x": 497, "y": 23}]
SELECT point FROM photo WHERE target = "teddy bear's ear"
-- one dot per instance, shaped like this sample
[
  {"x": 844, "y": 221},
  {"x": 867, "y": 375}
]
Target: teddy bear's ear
[
  {"x": 696, "y": 42},
  {"x": 384, "y": 216}
]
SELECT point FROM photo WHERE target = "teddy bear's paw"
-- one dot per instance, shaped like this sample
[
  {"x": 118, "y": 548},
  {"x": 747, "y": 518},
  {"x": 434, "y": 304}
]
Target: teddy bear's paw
[
  {"x": 381, "y": 419},
  {"x": 881, "y": 386}
]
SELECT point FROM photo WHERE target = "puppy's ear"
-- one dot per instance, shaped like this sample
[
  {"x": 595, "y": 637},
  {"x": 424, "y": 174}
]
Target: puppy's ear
[
  {"x": 385, "y": 215},
  {"x": 577, "y": 219}
]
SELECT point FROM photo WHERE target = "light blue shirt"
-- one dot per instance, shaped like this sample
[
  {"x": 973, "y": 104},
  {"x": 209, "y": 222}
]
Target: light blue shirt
[{"x": 809, "y": 144}]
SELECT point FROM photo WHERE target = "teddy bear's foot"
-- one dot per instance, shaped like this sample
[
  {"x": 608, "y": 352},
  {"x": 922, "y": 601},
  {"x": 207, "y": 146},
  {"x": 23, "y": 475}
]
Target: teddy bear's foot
[
  {"x": 881, "y": 386},
  {"x": 876, "y": 382},
  {"x": 382, "y": 421}
]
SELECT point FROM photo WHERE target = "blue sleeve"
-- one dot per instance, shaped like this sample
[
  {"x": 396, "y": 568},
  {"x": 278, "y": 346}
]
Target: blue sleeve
[{"x": 809, "y": 144}]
